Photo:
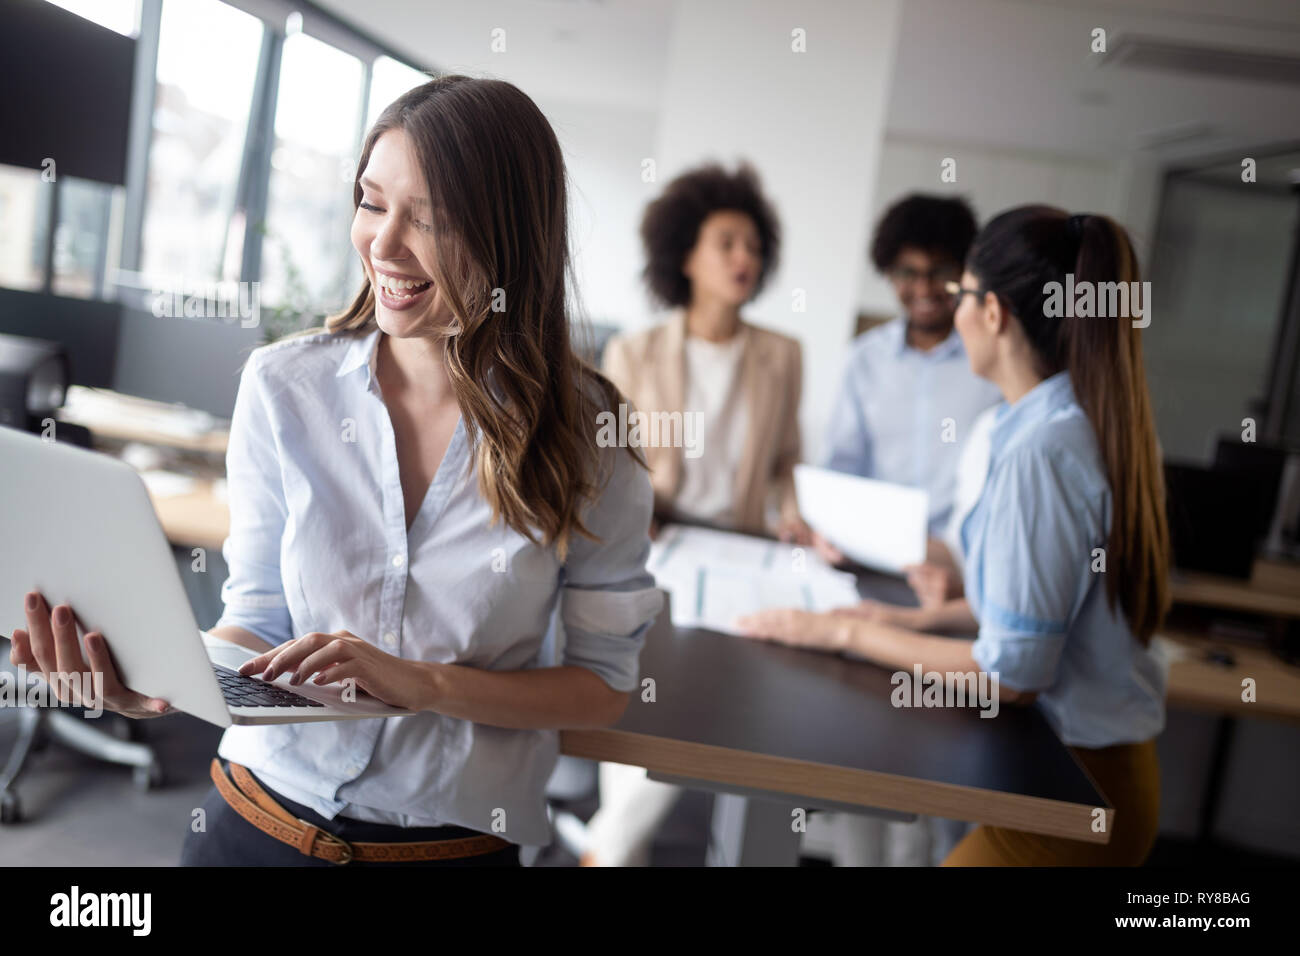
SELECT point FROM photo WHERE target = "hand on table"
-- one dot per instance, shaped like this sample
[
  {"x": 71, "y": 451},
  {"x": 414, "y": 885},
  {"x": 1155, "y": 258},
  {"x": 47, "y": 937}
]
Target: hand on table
[{"x": 795, "y": 628}]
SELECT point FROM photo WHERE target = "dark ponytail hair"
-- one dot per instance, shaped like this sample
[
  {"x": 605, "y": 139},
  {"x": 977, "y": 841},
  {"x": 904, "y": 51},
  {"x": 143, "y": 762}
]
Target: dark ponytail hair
[{"x": 1015, "y": 256}]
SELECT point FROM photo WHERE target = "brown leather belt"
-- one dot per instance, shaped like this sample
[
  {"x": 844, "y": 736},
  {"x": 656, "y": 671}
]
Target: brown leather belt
[{"x": 261, "y": 810}]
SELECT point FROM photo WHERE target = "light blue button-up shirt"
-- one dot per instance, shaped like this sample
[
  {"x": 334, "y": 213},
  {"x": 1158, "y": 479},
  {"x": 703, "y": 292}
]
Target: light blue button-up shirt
[
  {"x": 902, "y": 415},
  {"x": 318, "y": 542},
  {"x": 1045, "y": 623}
]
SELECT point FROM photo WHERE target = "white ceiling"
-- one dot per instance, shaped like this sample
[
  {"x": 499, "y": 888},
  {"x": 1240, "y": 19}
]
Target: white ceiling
[
  {"x": 610, "y": 52},
  {"x": 1019, "y": 73},
  {"x": 1008, "y": 73}
]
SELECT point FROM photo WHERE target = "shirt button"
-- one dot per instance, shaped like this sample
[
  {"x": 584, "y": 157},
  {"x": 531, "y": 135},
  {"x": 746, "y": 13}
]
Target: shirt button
[
  {"x": 355, "y": 770},
  {"x": 390, "y": 639},
  {"x": 398, "y": 560}
]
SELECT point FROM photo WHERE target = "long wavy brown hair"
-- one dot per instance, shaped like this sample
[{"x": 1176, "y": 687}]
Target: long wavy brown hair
[{"x": 530, "y": 404}]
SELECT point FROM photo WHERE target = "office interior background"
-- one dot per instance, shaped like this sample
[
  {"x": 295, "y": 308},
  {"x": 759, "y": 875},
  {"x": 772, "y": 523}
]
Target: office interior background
[{"x": 244, "y": 120}]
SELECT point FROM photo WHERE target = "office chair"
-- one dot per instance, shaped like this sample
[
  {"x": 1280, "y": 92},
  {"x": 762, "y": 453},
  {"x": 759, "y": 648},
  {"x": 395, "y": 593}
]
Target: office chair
[{"x": 116, "y": 742}]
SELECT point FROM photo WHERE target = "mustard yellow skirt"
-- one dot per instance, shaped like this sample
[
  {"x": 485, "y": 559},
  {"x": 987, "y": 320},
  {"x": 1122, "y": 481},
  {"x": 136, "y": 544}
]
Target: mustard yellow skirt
[{"x": 1129, "y": 777}]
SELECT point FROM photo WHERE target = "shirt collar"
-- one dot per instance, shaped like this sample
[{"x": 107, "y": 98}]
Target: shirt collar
[
  {"x": 1035, "y": 406},
  {"x": 362, "y": 351},
  {"x": 948, "y": 348}
]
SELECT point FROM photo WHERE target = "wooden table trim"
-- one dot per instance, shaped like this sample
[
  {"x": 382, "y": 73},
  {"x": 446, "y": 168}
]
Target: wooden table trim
[{"x": 864, "y": 788}]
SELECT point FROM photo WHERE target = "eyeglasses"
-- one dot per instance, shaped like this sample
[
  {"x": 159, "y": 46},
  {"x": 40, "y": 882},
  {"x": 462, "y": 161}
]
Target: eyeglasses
[
  {"x": 906, "y": 275},
  {"x": 955, "y": 290}
]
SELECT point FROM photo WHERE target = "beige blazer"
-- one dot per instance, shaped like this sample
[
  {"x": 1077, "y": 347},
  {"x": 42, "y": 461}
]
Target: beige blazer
[{"x": 649, "y": 368}]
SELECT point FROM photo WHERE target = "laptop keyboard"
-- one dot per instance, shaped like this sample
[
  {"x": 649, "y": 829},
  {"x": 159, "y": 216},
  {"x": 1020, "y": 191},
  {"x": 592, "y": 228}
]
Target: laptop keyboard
[{"x": 241, "y": 691}]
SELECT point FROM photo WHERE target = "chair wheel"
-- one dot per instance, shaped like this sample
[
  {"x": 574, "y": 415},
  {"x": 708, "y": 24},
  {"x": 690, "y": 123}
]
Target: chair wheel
[
  {"x": 147, "y": 778},
  {"x": 10, "y": 809}
]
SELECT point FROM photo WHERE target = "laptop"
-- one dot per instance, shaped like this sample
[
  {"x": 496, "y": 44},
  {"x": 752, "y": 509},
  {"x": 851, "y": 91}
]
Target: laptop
[{"x": 79, "y": 527}]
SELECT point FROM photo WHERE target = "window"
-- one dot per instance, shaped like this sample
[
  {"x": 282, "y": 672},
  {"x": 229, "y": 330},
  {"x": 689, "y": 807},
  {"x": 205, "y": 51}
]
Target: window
[
  {"x": 389, "y": 79},
  {"x": 307, "y": 258},
  {"x": 25, "y": 212},
  {"x": 89, "y": 231},
  {"x": 120, "y": 16},
  {"x": 207, "y": 68}
]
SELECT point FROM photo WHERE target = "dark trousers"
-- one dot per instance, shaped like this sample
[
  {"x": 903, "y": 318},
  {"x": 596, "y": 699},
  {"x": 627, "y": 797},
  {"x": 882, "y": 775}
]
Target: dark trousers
[{"x": 230, "y": 840}]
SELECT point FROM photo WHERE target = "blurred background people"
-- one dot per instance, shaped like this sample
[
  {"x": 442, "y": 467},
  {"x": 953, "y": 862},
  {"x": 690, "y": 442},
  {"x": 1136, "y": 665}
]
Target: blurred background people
[
  {"x": 908, "y": 396},
  {"x": 711, "y": 241}
]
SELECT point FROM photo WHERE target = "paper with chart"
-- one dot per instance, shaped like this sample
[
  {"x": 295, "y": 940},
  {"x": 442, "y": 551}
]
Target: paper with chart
[
  {"x": 715, "y": 577},
  {"x": 876, "y": 523}
]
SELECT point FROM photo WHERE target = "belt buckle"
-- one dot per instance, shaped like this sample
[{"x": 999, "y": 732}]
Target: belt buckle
[{"x": 327, "y": 837}]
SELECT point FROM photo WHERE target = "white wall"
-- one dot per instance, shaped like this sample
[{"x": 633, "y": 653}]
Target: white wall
[
  {"x": 991, "y": 180},
  {"x": 603, "y": 148},
  {"x": 812, "y": 125}
]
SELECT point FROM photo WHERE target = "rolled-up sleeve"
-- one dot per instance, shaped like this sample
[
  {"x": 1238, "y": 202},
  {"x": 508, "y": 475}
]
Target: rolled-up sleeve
[
  {"x": 1034, "y": 567},
  {"x": 253, "y": 592},
  {"x": 608, "y": 600}
]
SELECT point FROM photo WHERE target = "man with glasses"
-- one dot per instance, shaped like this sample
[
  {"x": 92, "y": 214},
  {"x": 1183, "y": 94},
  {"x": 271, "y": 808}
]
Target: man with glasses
[
  {"x": 907, "y": 405},
  {"x": 909, "y": 396}
]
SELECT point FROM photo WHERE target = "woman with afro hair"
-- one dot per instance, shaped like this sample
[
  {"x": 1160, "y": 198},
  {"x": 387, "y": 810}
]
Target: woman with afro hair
[{"x": 711, "y": 242}]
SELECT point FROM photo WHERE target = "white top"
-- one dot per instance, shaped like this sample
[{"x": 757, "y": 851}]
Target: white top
[
  {"x": 708, "y": 488},
  {"x": 318, "y": 542},
  {"x": 972, "y": 469}
]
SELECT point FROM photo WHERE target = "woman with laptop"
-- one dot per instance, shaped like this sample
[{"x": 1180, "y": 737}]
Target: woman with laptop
[
  {"x": 413, "y": 491},
  {"x": 1067, "y": 548}
]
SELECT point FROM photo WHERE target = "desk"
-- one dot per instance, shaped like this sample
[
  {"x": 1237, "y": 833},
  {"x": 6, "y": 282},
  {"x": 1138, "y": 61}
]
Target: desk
[
  {"x": 196, "y": 519},
  {"x": 773, "y": 728},
  {"x": 1195, "y": 683},
  {"x": 1273, "y": 589}
]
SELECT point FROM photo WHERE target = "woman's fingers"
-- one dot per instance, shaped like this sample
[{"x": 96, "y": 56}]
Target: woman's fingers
[
  {"x": 68, "y": 658},
  {"x": 118, "y": 697},
  {"x": 333, "y": 652},
  {"x": 39, "y": 631},
  {"x": 102, "y": 662},
  {"x": 340, "y": 671},
  {"x": 271, "y": 664},
  {"x": 20, "y": 649}
]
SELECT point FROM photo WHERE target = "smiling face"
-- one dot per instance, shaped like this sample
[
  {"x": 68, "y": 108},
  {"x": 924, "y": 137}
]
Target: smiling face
[
  {"x": 393, "y": 232},
  {"x": 919, "y": 277},
  {"x": 727, "y": 259}
]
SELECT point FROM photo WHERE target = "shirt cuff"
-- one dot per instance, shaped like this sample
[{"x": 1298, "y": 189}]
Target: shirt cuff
[
  {"x": 1021, "y": 662},
  {"x": 604, "y": 631}
]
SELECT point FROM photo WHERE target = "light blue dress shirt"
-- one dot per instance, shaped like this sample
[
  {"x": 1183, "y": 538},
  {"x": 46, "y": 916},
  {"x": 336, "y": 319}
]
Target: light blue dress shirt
[
  {"x": 318, "y": 542},
  {"x": 889, "y": 420},
  {"x": 1045, "y": 623}
]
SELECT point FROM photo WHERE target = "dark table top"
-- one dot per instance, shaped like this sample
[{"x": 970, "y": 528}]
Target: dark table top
[{"x": 761, "y": 716}]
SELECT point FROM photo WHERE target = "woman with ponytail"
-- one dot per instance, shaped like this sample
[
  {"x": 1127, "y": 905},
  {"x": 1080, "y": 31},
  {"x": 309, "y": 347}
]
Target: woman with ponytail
[{"x": 1067, "y": 548}]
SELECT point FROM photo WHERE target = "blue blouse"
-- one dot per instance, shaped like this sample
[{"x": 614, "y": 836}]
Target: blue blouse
[{"x": 1045, "y": 622}]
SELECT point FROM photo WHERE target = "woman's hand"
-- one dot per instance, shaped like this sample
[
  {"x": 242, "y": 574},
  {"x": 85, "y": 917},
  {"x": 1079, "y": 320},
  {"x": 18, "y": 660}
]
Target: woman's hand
[
  {"x": 794, "y": 530},
  {"x": 912, "y": 618},
  {"x": 342, "y": 656},
  {"x": 824, "y": 632},
  {"x": 934, "y": 584},
  {"x": 49, "y": 645},
  {"x": 830, "y": 554}
]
